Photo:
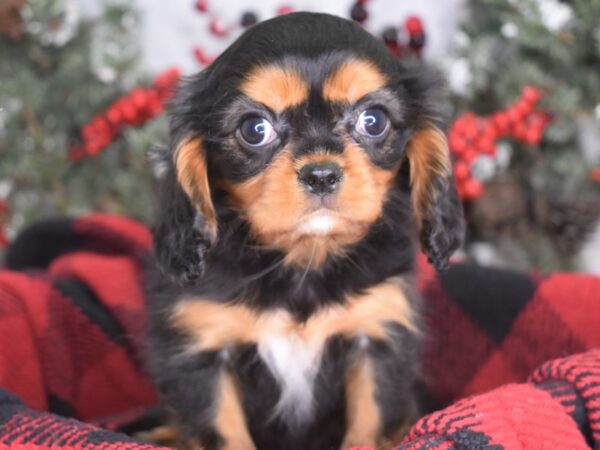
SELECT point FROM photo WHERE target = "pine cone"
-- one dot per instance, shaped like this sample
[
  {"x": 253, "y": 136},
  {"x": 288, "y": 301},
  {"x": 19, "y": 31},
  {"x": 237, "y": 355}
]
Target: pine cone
[
  {"x": 569, "y": 222},
  {"x": 504, "y": 209}
]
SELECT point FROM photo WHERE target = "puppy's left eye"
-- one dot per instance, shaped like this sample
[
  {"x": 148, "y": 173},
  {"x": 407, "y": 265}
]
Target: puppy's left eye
[
  {"x": 257, "y": 131},
  {"x": 372, "y": 122}
]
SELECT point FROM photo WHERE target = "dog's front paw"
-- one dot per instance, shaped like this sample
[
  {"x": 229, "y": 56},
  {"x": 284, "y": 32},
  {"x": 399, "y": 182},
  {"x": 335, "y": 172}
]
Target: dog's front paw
[
  {"x": 358, "y": 443},
  {"x": 183, "y": 259}
]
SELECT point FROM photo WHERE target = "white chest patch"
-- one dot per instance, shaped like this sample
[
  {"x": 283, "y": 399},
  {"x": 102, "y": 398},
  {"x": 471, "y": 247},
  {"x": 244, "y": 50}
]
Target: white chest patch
[
  {"x": 294, "y": 363},
  {"x": 320, "y": 223}
]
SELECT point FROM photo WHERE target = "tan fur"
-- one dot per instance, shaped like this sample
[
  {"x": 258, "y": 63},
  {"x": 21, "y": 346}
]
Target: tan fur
[
  {"x": 363, "y": 419},
  {"x": 353, "y": 80},
  {"x": 230, "y": 421},
  {"x": 163, "y": 435},
  {"x": 192, "y": 175},
  {"x": 429, "y": 162},
  {"x": 275, "y": 87},
  {"x": 213, "y": 326},
  {"x": 275, "y": 204}
]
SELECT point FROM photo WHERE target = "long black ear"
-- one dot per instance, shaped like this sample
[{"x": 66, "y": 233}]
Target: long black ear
[
  {"x": 435, "y": 201},
  {"x": 185, "y": 225}
]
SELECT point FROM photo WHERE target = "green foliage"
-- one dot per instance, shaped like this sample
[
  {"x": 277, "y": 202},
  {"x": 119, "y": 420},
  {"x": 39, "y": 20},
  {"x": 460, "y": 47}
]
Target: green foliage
[
  {"x": 554, "y": 45},
  {"x": 64, "y": 70}
]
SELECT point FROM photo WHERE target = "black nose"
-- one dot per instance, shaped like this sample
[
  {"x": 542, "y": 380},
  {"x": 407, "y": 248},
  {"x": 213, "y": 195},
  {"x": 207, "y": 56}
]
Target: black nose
[{"x": 321, "y": 178}]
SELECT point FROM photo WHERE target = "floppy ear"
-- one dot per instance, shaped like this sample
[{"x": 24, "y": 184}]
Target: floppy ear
[
  {"x": 435, "y": 201},
  {"x": 186, "y": 224}
]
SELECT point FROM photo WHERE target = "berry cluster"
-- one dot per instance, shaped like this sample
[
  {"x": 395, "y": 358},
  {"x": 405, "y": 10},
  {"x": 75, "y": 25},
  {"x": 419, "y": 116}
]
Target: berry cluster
[
  {"x": 405, "y": 40},
  {"x": 471, "y": 136},
  {"x": 402, "y": 41},
  {"x": 137, "y": 107},
  {"x": 220, "y": 28}
]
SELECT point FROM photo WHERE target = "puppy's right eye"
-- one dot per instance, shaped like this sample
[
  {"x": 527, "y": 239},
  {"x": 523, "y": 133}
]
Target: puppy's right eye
[{"x": 257, "y": 132}]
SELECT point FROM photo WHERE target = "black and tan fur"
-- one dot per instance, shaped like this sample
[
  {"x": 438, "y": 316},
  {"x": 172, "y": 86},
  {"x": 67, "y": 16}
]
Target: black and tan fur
[{"x": 245, "y": 294}]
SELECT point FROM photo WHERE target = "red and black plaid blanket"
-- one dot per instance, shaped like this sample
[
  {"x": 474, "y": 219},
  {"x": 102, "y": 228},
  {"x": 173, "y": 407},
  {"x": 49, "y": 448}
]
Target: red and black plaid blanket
[{"x": 510, "y": 357}]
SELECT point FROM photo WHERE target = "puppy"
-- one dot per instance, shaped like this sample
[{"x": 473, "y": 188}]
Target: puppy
[{"x": 304, "y": 166}]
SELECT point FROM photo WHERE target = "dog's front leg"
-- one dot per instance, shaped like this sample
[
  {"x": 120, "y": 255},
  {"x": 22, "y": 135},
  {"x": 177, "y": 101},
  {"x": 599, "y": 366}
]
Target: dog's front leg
[
  {"x": 207, "y": 404},
  {"x": 229, "y": 421},
  {"x": 363, "y": 422}
]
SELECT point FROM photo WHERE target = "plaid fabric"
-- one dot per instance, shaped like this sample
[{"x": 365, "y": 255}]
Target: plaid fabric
[
  {"x": 71, "y": 322},
  {"x": 70, "y": 325}
]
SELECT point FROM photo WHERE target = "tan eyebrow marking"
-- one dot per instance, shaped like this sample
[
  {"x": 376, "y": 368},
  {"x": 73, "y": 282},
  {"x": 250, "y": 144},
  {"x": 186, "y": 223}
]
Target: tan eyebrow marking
[
  {"x": 276, "y": 87},
  {"x": 353, "y": 80}
]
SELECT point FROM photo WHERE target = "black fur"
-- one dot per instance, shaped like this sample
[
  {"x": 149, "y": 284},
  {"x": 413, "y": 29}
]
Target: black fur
[
  {"x": 443, "y": 228},
  {"x": 235, "y": 266}
]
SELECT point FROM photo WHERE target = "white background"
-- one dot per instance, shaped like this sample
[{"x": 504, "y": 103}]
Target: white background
[{"x": 171, "y": 29}]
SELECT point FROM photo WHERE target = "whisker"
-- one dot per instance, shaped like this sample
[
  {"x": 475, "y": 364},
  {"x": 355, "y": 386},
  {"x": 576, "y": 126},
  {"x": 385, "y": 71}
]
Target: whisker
[
  {"x": 308, "y": 266},
  {"x": 263, "y": 272}
]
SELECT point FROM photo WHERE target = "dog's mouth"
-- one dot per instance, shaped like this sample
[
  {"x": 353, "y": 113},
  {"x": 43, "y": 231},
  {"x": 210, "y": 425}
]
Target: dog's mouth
[{"x": 321, "y": 222}]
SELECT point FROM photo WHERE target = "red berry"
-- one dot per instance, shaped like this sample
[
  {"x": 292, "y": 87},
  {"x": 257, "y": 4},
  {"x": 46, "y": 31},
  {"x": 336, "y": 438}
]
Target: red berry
[
  {"x": 104, "y": 137},
  {"x": 130, "y": 113},
  {"x": 284, "y": 9},
  {"x": 104, "y": 127},
  {"x": 201, "y": 57},
  {"x": 524, "y": 108},
  {"x": 218, "y": 28},
  {"x": 487, "y": 145},
  {"x": 531, "y": 94},
  {"x": 470, "y": 154},
  {"x": 463, "y": 121},
  {"x": 471, "y": 131},
  {"x": 488, "y": 129},
  {"x": 87, "y": 132},
  {"x": 395, "y": 49},
  {"x": 414, "y": 25},
  {"x": 167, "y": 78},
  {"x": 114, "y": 116},
  {"x": 461, "y": 171},
  {"x": 595, "y": 175},
  {"x": 537, "y": 120},
  {"x": 467, "y": 118},
  {"x": 473, "y": 188},
  {"x": 501, "y": 123},
  {"x": 76, "y": 153},
  {"x": 514, "y": 115},
  {"x": 457, "y": 143},
  {"x": 202, "y": 5},
  {"x": 93, "y": 148},
  {"x": 519, "y": 131},
  {"x": 139, "y": 98},
  {"x": 533, "y": 136},
  {"x": 155, "y": 104}
]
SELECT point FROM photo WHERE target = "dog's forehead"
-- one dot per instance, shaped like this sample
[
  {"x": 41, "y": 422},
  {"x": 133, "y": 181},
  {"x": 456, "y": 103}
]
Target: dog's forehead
[{"x": 335, "y": 77}]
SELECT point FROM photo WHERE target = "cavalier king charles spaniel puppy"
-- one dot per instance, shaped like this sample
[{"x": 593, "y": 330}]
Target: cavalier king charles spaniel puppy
[{"x": 305, "y": 167}]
